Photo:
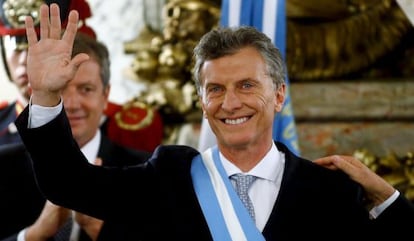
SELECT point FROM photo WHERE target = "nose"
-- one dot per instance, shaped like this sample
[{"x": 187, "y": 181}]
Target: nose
[
  {"x": 231, "y": 101},
  {"x": 70, "y": 99}
]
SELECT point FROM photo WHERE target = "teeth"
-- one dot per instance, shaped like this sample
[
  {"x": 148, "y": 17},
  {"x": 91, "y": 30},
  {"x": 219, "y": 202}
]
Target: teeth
[{"x": 236, "y": 121}]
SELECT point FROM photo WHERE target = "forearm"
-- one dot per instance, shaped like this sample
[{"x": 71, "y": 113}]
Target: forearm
[{"x": 55, "y": 155}]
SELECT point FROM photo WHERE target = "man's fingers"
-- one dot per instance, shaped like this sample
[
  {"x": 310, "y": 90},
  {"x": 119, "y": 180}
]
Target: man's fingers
[
  {"x": 326, "y": 162},
  {"x": 44, "y": 21},
  {"x": 30, "y": 31},
  {"x": 341, "y": 163},
  {"x": 79, "y": 59},
  {"x": 55, "y": 22},
  {"x": 71, "y": 28},
  {"x": 347, "y": 164}
]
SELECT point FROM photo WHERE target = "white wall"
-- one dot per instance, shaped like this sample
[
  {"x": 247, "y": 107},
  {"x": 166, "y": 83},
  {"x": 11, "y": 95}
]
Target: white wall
[
  {"x": 8, "y": 91},
  {"x": 116, "y": 22}
]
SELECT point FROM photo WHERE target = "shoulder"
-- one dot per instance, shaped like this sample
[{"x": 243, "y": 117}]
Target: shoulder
[
  {"x": 114, "y": 154},
  {"x": 316, "y": 177},
  {"x": 8, "y": 151},
  {"x": 173, "y": 156}
]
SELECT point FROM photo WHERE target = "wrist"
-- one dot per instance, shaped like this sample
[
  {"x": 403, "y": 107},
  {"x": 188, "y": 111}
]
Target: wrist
[{"x": 45, "y": 98}]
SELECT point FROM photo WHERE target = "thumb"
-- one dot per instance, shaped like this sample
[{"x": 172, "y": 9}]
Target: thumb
[{"x": 79, "y": 59}]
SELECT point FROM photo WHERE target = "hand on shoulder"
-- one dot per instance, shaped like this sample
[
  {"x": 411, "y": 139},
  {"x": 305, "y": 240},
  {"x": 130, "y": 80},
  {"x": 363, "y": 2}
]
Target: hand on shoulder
[{"x": 376, "y": 188}]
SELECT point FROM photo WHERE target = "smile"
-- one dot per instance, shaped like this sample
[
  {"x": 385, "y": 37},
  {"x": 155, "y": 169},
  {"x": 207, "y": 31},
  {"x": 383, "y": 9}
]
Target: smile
[{"x": 236, "y": 121}]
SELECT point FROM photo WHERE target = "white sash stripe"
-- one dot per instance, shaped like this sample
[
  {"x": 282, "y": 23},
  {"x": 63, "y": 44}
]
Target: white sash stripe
[
  {"x": 269, "y": 18},
  {"x": 234, "y": 13},
  {"x": 230, "y": 217}
]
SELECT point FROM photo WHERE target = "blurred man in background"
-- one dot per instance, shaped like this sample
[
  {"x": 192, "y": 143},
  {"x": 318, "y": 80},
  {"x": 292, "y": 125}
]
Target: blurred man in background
[
  {"x": 26, "y": 214},
  {"x": 14, "y": 54}
]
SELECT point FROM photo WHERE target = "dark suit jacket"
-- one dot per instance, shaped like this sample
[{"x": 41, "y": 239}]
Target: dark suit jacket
[
  {"x": 156, "y": 201},
  {"x": 8, "y": 115},
  {"x": 21, "y": 201}
]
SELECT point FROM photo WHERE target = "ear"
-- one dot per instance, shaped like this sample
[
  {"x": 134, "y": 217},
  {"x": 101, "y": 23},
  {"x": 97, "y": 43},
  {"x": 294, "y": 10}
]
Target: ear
[
  {"x": 203, "y": 107},
  {"x": 280, "y": 97},
  {"x": 107, "y": 89}
]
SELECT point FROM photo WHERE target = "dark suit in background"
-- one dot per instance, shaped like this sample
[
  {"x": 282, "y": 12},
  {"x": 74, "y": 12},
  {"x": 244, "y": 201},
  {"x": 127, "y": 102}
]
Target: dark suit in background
[
  {"x": 21, "y": 201},
  {"x": 8, "y": 114}
]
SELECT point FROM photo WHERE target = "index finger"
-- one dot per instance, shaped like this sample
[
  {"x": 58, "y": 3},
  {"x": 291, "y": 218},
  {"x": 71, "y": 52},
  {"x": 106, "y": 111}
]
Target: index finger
[
  {"x": 71, "y": 28},
  {"x": 327, "y": 161},
  {"x": 30, "y": 31}
]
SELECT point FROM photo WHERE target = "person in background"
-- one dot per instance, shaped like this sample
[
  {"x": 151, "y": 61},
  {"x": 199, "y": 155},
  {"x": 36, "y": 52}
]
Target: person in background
[
  {"x": 125, "y": 124},
  {"x": 13, "y": 43},
  {"x": 30, "y": 216},
  {"x": 189, "y": 195}
]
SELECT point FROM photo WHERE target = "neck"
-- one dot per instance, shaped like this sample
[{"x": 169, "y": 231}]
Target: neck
[{"x": 245, "y": 158}]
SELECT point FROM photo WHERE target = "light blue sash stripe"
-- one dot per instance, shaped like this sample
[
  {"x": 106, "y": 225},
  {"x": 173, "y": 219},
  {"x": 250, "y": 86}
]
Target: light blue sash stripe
[
  {"x": 208, "y": 200},
  {"x": 249, "y": 227},
  {"x": 210, "y": 205}
]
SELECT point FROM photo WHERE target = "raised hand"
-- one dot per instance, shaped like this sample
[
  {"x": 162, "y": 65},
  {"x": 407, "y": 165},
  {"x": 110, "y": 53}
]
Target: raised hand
[{"x": 49, "y": 63}]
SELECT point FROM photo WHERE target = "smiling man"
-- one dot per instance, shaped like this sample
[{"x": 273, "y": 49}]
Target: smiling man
[{"x": 189, "y": 195}]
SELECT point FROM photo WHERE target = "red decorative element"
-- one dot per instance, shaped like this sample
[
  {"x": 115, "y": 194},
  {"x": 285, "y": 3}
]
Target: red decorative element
[
  {"x": 83, "y": 8},
  {"x": 135, "y": 132},
  {"x": 85, "y": 12}
]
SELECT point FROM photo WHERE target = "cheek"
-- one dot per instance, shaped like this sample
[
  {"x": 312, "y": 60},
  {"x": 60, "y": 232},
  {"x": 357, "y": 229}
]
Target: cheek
[
  {"x": 210, "y": 106},
  {"x": 94, "y": 104},
  {"x": 12, "y": 66},
  {"x": 267, "y": 99}
]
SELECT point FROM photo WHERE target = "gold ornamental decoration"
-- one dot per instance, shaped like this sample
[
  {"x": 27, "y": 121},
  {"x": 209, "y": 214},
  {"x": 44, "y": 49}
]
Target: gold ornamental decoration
[
  {"x": 396, "y": 170},
  {"x": 16, "y": 11},
  {"x": 334, "y": 38},
  {"x": 163, "y": 60}
]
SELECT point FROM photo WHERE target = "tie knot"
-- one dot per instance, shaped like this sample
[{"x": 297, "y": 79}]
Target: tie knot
[{"x": 243, "y": 182}]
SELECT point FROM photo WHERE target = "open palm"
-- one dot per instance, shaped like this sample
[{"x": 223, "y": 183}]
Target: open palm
[{"x": 49, "y": 62}]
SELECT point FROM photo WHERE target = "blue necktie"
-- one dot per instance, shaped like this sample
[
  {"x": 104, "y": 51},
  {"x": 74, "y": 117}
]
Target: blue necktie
[
  {"x": 242, "y": 185},
  {"x": 63, "y": 234}
]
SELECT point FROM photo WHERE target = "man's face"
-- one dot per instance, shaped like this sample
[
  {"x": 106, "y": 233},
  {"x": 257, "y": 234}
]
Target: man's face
[
  {"x": 84, "y": 100},
  {"x": 16, "y": 63},
  {"x": 239, "y": 99}
]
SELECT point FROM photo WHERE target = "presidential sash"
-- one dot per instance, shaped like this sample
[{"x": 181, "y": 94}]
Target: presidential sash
[{"x": 227, "y": 217}]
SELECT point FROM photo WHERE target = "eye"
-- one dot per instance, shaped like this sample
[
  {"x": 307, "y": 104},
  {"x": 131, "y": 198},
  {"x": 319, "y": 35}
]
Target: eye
[
  {"x": 214, "y": 89},
  {"x": 246, "y": 85},
  {"x": 86, "y": 89}
]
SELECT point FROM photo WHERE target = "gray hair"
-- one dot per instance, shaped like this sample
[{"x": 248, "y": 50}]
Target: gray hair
[{"x": 227, "y": 41}]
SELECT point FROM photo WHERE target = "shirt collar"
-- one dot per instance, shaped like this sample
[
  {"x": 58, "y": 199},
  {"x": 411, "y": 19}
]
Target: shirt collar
[
  {"x": 90, "y": 149},
  {"x": 268, "y": 168}
]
